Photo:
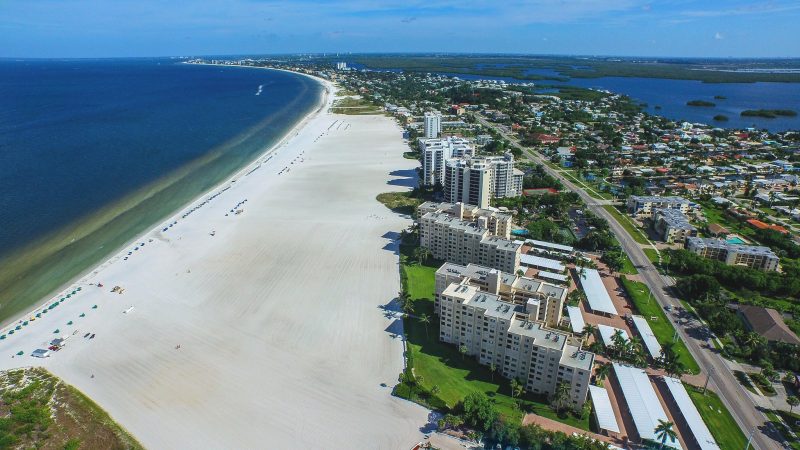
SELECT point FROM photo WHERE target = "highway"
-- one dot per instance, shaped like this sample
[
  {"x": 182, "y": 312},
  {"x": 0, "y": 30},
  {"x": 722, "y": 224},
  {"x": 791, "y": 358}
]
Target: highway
[{"x": 723, "y": 381}]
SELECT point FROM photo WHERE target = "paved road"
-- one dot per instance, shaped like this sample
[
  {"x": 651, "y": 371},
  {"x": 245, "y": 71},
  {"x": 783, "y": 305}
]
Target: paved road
[{"x": 722, "y": 379}]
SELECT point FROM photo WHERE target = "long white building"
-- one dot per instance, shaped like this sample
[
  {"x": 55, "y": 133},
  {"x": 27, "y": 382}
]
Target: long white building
[
  {"x": 752, "y": 256},
  {"x": 643, "y": 206},
  {"x": 476, "y": 180},
  {"x": 503, "y": 334},
  {"x": 434, "y": 153}
]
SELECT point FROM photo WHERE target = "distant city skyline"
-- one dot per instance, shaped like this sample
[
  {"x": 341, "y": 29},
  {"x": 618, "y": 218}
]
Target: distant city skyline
[{"x": 672, "y": 28}]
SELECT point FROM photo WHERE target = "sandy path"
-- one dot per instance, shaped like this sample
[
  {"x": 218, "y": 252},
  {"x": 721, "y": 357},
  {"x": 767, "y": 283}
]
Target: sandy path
[{"x": 282, "y": 337}]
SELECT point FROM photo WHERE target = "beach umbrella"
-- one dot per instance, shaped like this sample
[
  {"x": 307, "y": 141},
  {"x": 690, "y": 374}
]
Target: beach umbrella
[
  {"x": 25, "y": 324},
  {"x": 83, "y": 315},
  {"x": 69, "y": 323},
  {"x": 2, "y": 336},
  {"x": 56, "y": 331},
  {"x": 79, "y": 288},
  {"x": 10, "y": 331},
  {"x": 38, "y": 314},
  {"x": 94, "y": 307},
  {"x": 20, "y": 353},
  {"x": 18, "y": 327}
]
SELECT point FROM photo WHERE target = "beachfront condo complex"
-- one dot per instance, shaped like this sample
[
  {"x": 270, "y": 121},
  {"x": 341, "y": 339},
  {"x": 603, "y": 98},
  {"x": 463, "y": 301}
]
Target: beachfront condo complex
[
  {"x": 509, "y": 337},
  {"x": 476, "y": 180},
  {"x": 434, "y": 152},
  {"x": 464, "y": 240},
  {"x": 544, "y": 301}
]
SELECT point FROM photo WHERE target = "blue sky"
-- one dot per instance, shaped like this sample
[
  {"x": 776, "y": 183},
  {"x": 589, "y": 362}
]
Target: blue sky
[{"x": 102, "y": 28}]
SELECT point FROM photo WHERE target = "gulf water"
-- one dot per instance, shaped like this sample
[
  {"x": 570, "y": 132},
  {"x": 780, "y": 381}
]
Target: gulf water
[{"x": 93, "y": 152}]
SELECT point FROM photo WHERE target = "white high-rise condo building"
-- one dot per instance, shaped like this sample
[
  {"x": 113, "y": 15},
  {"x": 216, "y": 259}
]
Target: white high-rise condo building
[
  {"x": 752, "y": 256},
  {"x": 476, "y": 180},
  {"x": 508, "y": 336},
  {"x": 433, "y": 124},
  {"x": 436, "y": 151}
]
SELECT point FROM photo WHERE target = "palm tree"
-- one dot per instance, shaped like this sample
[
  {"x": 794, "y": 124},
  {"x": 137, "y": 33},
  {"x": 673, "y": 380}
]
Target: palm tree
[
  {"x": 422, "y": 254},
  {"x": 602, "y": 372},
  {"x": 435, "y": 389},
  {"x": 516, "y": 388},
  {"x": 560, "y": 399},
  {"x": 463, "y": 350},
  {"x": 408, "y": 307},
  {"x": 664, "y": 431},
  {"x": 425, "y": 320},
  {"x": 792, "y": 401},
  {"x": 492, "y": 369}
]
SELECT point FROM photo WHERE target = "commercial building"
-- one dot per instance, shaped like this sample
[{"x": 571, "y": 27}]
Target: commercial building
[
  {"x": 502, "y": 334},
  {"x": 672, "y": 225},
  {"x": 642, "y": 206},
  {"x": 476, "y": 180},
  {"x": 435, "y": 152},
  {"x": 433, "y": 124},
  {"x": 543, "y": 301},
  {"x": 753, "y": 256}
]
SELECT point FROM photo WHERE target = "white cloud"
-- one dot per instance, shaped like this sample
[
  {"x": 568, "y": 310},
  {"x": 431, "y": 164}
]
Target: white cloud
[{"x": 719, "y": 36}]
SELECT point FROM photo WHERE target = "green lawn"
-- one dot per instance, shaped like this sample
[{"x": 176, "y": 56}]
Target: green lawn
[
  {"x": 591, "y": 188},
  {"x": 662, "y": 328},
  {"x": 652, "y": 255},
  {"x": 626, "y": 223},
  {"x": 442, "y": 365},
  {"x": 627, "y": 265},
  {"x": 714, "y": 214},
  {"x": 400, "y": 202},
  {"x": 718, "y": 419}
]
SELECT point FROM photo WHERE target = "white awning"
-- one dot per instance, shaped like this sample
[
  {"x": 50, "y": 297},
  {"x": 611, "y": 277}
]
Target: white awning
[
  {"x": 596, "y": 292},
  {"x": 642, "y": 401},
  {"x": 541, "y": 263},
  {"x": 606, "y": 332},
  {"x": 690, "y": 413},
  {"x": 543, "y": 274},
  {"x": 550, "y": 245},
  {"x": 606, "y": 419},
  {"x": 575, "y": 319},
  {"x": 649, "y": 339}
]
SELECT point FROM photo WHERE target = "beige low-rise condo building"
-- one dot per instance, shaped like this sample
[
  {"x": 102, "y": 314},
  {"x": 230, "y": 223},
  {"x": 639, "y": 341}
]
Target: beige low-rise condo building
[
  {"x": 643, "y": 206},
  {"x": 463, "y": 239},
  {"x": 504, "y": 334},
  {"x": 672, "y": 225},
  {"x": 752, "y": 256},
  {"x": 544, "y": 301}
]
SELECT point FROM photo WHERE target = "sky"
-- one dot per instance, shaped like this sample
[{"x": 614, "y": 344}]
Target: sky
[{"x": 124, "y": 28}]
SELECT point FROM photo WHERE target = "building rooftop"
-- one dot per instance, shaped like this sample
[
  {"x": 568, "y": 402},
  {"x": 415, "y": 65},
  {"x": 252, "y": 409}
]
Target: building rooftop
[
  {"x": 690, "y": 414},
  {"x": 674, "y": 218},
  {"x": 768, "y": 323},
  {"x": 606, "y": 419},
  {"x": 596, "y": 292},
  {"x": 725, "y": 245},
  {"x": 642, "y": 402},
  {"x": 648, "y": 338},
  {"x": 538, "y": 261},
  {"x": 659, "y": 199}
]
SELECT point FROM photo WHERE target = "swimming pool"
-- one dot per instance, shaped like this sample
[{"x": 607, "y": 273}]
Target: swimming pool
[{"x": 735, "y": 240}]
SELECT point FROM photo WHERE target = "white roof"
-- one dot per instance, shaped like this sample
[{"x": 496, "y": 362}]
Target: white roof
[
  {"x": 687, "y": 407},
  {"x": 550, "y": 245},
  {"x": 575, "y": 319},
  {"x": 606, "y": 332},
  {"x": 596, "y": 292},
  {"x": 606, "y": 419},
  {"x": 649, "y": 339},
  {"x": 538, "y": 261},
  {"x": 642, "y": 401},
  {"x": 551, "y": 275}
]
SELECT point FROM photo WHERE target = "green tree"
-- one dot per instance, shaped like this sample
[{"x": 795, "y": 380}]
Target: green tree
[
  {"x": 424, "y": 319},
  {"x": 421, "y": 254},
  {"x": 479, "y": 412},
  {"x": 664, "y": 430},
  {"x": 492, "y": 370},
  {"x": 463, "y": 350},
  {"x": 603, "y": 371},
  {"x": 561, "y": 398},
  {"x": 792, "y": 401}
]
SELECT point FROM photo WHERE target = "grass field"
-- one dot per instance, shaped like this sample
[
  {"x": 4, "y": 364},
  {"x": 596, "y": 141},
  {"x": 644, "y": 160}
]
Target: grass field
[
  {"x": 353, "y": 105},
  {"x": 662, "y": 328},
  {"x": 441, "y": 365},
  {"x": 652, "y": 255},
  {"x": 593, "y": 189},
  {"x": 401, "y": 202},
  {"x": 718, "y": 419},
  {"x": 627, "y": 266},
  {"x": 627, "y": 224}
]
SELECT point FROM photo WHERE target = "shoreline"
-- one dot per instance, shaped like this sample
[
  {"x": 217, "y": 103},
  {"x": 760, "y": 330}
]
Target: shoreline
[
  {"x": 275, "y": 324},
  {"x": 324, "y": 102}
]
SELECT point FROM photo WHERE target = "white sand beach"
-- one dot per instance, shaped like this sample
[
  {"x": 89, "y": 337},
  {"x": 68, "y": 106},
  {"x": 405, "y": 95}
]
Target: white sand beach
[{"x": 262, "y": 329}]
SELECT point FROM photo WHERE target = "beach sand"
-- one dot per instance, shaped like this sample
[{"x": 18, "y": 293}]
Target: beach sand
[{"x": 272, "y": 332}]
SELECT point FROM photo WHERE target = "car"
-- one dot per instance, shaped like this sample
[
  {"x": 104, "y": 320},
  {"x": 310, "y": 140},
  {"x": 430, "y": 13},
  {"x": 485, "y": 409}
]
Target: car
[{"x": 668, "y": 308}]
